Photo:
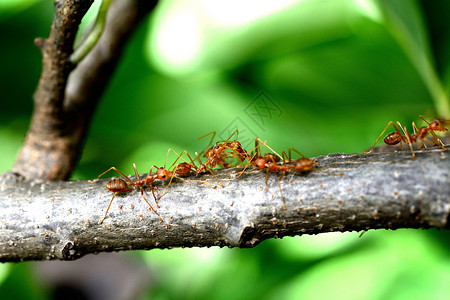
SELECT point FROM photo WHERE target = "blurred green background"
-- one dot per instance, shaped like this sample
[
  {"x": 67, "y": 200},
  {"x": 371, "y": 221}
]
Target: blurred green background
[{"x": 321, "y": 76}]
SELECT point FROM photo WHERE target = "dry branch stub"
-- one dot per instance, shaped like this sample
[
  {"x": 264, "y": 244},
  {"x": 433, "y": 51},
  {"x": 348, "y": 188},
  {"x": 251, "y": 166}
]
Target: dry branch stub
[{"x": 59, "y": 220}]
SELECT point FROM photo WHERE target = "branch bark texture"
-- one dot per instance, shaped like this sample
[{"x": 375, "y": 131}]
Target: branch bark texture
[
  {"x": 67, "y": 95},
  {"x": 60, "y": 220}
]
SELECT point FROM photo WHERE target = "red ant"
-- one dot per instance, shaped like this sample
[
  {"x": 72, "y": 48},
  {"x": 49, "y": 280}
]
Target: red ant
[
  {"x": 214, "y": 156},
  {"x": 270, "y": 160},
  {"x": 119, "y": 185},
  {"x": 396, "y": 137},
  {"x": 235, "y": 146},
  {"x": 184, "y": 168}
]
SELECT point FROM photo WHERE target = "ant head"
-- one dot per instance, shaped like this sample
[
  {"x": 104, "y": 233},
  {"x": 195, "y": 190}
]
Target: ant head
[
  {"x": 236, "y": 146},
  {"x": 437, "y": 126},
  {"x": 260, "y": 163},
  {"x": 217, "y": 149},
  {"x": 162, "y": 174},
  {"x": 209, "y": 152}
]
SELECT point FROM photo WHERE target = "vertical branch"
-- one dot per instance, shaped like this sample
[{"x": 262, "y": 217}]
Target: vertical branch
[
  {"x": 45, "y": 152},
  {"x": 66, "y": 97}
]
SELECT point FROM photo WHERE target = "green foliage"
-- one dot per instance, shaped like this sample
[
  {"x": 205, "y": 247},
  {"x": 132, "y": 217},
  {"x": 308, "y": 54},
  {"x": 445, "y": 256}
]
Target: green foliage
[{"x": 337, "y": 71}]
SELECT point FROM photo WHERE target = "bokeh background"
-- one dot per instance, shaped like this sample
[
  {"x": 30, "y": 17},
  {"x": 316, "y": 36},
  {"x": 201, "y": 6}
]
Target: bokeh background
[{"x": 321, "y": 76}]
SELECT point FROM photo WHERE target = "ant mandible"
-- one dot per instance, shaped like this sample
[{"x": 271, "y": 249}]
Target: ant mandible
[
  {"x": 397, "y": 137},
  {"x": 119, "y": 185}
]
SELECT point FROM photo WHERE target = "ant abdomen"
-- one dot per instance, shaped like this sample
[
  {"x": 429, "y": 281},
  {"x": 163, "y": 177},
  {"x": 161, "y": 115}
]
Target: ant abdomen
[
  {"x": 116, "y": 185},
  {"x": 303, "y": 164},
  {"x": 183, "y": 168},
  {"x": 393, "y": 138}
]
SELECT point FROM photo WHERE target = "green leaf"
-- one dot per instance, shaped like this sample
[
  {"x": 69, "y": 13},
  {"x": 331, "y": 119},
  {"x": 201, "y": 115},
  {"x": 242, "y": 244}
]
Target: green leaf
[{"x": 405, "y": 22}]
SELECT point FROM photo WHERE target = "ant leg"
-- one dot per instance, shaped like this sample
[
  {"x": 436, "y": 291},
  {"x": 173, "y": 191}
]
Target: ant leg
[
  {"x": 192, "y": 164},
  {"x": 167, "y": 155},
  {"x": 416, "y": 134},
  {"x": 151, "y": 207},
  {"x": 154, "y": 196},
  {"x": 212, "y": 132},
  {"x": 170, "y": 181},
  {"x": 267, "y": 179},
  {"x": 210, "y": 142},
  {"x": 115, "y": 169},
  {"x": 246, "y": 165},
  {"x": 140, "y": 186},
  {"x": 179, "y": 156},
  {"x": 210, "y": 171},
  {"x": 182, "y": 179},
  {"x": 127, "y": 190},
  {"x": 265, "y": 144},
  {"x": 295, "y": 152},
  {"x": 286, "y": 157},
  {"x": 435, "y": 138},
  {"x": 108, "y": 207},
  {"x": 408, "y": 138},
  {"x": 393, "y": 124},
  {"x": 198, "y": 158},
  {"x": 176, "y": 167},
  {"x": 136, "y": 172},
  {"x": 229, "y": 138},
  {"x": 281, "y": 191},
  {"x": 256, "y": 155},
  {"x": 234, "y": 132},
  {"x": 149, "y": 179}
]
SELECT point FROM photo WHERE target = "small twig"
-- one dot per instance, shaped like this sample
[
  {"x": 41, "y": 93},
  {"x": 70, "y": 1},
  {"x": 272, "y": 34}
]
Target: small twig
[{"x": 88, "y": 42}]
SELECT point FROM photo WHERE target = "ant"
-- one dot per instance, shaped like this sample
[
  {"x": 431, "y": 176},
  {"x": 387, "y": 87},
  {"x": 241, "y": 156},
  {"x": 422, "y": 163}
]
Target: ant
[
  {"x": 236, "y": 147},
  {"x": 270, "y": 160},
  {"x": 215, "y": 152},
  {"x": 215, "y": 156},
  {"x": 119, "y": 185},
  {"x": 397, "y": 137},
  {"x": 259, "y": 161},
  {"x": 184, "y": 168}
]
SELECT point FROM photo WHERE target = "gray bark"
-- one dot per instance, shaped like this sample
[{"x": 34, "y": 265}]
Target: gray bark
[{"x": 60, "y": 220}]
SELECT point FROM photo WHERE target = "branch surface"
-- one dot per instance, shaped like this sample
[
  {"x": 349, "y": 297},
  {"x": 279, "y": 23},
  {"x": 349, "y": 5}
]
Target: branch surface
[{"x": 60, "y": 220}]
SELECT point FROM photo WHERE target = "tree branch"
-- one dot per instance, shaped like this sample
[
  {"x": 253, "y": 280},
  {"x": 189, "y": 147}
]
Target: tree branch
[
  {"x": 59, "y": 220},
  {"x": 64, "y": 105}
]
